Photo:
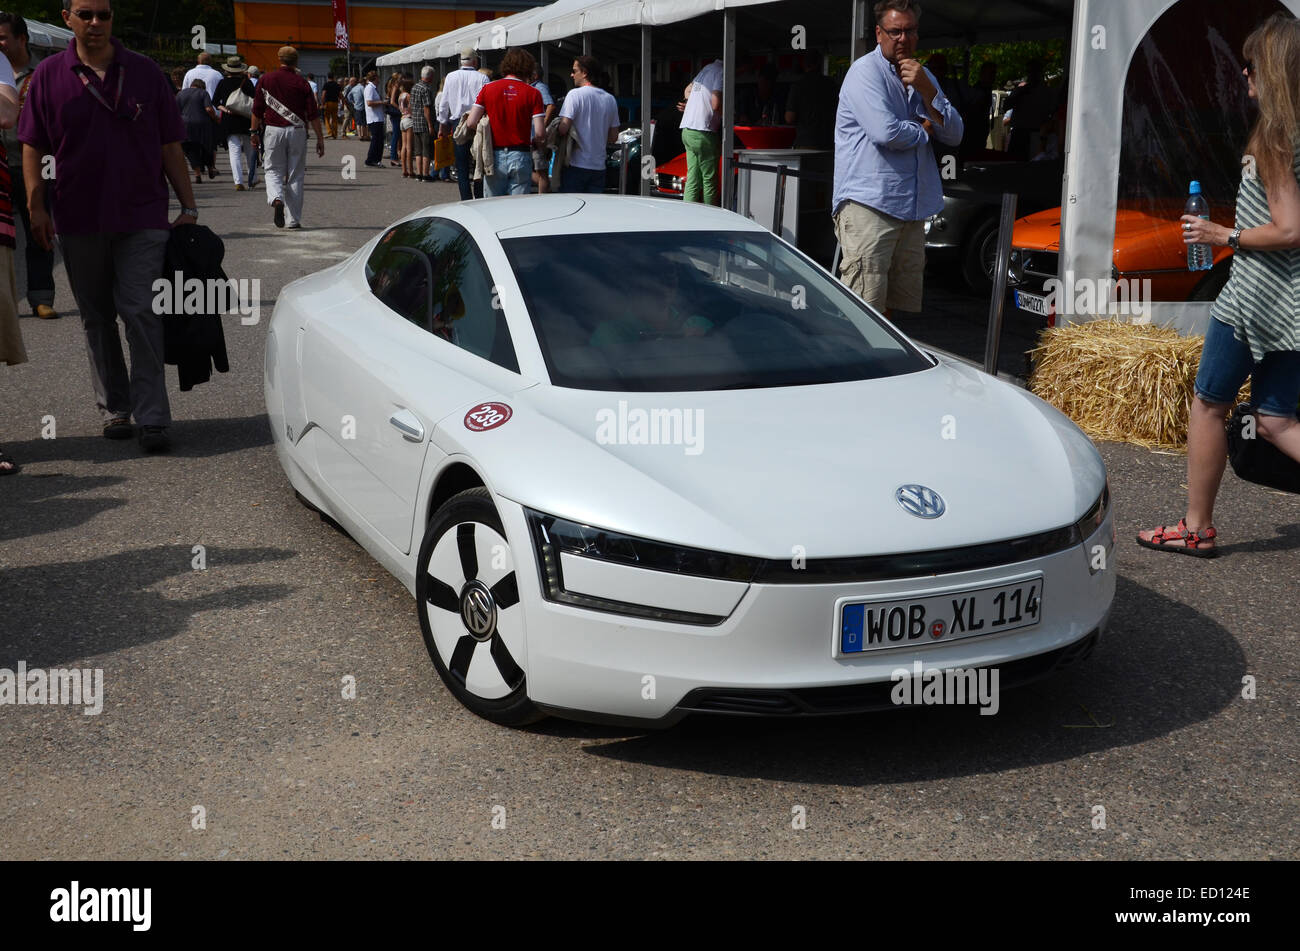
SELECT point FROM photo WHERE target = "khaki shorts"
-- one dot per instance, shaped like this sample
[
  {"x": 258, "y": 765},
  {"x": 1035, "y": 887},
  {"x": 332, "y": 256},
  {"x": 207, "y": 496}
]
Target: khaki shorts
[
  {"x": 882, "y": 258},
  {"x": 423, "y": 145}
]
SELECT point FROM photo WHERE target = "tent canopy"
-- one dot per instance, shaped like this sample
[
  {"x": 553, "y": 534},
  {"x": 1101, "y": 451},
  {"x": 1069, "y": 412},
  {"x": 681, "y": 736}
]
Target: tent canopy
[
  {"x": 47, "y": 35},
  {"x": 943, "y": 22}
]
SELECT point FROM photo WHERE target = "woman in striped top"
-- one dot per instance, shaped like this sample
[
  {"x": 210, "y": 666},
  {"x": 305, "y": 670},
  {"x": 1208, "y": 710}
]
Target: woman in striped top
[{"x": 1255, "y": 323}]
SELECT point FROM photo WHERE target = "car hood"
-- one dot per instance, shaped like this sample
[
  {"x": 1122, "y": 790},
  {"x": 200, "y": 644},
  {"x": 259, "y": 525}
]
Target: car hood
[
  {"x": 784, "y": 471},
  {"x": 1038, "y": 232}
]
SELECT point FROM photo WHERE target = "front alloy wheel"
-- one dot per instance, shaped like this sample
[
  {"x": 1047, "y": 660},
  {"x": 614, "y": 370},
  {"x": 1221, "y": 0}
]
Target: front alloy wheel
[{"x": 468, "y": 599}]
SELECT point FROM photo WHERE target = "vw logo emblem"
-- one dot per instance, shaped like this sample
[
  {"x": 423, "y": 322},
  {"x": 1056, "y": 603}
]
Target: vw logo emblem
[
  {"x": 920, "y": 500},
  {"x": 478, "y": 609}
]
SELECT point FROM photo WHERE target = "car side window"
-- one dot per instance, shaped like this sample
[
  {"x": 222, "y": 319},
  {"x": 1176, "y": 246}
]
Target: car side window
[
  {"x": 466, "y": 311},
  {"x": 399, "y": 274}
]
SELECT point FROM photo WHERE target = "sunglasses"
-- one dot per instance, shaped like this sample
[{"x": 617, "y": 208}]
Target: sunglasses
[
  {"x": 899, "y": 34},
  {"x": 1250, "y": 67},
  {"x": 103, "y": 16}
]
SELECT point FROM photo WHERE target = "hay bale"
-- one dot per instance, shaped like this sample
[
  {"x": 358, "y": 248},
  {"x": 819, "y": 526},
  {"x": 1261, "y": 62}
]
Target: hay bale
[{"x": 1120, "y": 381}]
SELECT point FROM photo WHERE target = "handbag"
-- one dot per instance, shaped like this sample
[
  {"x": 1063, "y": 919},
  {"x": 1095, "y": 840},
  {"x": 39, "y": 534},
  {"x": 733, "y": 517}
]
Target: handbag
[
  {"x": 1257, "y": 460},
  {"x": 444, "y": 152},
  {"x": 240, "y": 103}
]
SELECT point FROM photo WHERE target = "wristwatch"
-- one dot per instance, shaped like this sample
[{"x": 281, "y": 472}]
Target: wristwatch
[
  {"x": 192, "y": 212},
  {"x": 1234, "y": 239}
]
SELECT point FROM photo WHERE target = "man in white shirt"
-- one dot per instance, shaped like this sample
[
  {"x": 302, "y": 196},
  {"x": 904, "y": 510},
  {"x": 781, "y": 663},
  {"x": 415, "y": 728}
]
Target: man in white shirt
[
  {"x": 460, "y": 91},
  {"x": 205, "y": 72},
  {"x": 375, "y": 118},
  {"x": 592, "y": 114},
  {"x": 701, "y": 109}
]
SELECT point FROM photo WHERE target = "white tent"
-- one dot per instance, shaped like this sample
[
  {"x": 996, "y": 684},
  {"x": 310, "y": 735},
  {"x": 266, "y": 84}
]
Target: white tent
[
  {"x": 434, "y": 47},
  {"x": 1098, "y": 76},
  {"x": 47, "y": 36}
]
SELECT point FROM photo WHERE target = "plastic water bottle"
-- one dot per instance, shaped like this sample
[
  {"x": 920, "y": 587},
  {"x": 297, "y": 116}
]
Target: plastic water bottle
[{"x": 1199, "y": 256}]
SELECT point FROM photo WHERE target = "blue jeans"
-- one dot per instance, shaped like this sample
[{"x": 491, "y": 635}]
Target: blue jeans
[
  {"x": 1227, "y": 361},
  {"x": 514, "y": 174},
  {"x": 396, "y": 136},
  {"x": 465, "y": 174},
  {"x": 589, "y": 181}
]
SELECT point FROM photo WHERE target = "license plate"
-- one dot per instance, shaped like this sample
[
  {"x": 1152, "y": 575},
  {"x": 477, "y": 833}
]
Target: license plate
[
  {"x": 1034, "y": 303},
  {"x": 881, "y": 625}
]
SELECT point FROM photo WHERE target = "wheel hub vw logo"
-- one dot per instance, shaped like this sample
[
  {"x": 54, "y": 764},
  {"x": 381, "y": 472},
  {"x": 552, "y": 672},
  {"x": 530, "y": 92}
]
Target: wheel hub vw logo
[
  {"x": 478, "y": 609},
  {"x": 920, "y": 500}
]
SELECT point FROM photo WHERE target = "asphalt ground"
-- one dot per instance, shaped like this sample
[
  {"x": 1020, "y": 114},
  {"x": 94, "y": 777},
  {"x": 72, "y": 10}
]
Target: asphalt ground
[{"x": 223, "y": 686}]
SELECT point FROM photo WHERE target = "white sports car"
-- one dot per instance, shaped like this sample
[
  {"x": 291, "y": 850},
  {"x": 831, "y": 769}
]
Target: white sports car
[{"x": 637, "y": 459}]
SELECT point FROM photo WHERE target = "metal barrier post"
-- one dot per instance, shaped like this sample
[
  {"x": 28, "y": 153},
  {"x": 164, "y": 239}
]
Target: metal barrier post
[
  {"x": 622, "y": 170},
  {"x": 778, "y": 213},
  {"x": 994, "y": 340}
]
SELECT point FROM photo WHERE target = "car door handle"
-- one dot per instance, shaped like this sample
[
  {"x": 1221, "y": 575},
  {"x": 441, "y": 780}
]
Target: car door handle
[{"x": 406, "y": 423}]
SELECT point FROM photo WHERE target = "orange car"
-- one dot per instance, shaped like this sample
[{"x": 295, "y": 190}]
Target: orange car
[{"x": 1148, "y": 246}]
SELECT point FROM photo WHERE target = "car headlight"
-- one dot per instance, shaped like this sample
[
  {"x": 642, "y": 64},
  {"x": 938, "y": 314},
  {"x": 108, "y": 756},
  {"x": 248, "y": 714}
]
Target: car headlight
[
  {"x": 1016, "y": 268},
  {"x": 554, "y": 536},
  {"x": 935, "y": 223},
  {"x": 1091, "y": 522}
]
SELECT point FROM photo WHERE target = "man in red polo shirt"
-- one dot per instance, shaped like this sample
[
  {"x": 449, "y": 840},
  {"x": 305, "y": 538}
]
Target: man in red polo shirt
[
  {"x": 514, "y": 110},
  {"x": 282, "y": 107}
]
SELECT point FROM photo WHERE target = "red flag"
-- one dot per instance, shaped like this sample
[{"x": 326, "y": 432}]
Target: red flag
[{"x": 341, "y": 23}]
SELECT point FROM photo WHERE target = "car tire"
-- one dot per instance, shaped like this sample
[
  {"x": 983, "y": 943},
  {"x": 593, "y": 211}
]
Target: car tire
[
  {"x": 467, "y": 597},
  {"x": 980, "y": 256}
]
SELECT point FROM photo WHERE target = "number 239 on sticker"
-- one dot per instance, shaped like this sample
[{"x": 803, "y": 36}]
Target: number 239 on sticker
[{"x": 487, "y": 416}]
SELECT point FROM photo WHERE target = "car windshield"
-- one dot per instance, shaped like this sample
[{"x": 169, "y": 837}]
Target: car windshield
[{"x": 679, "y": 311}]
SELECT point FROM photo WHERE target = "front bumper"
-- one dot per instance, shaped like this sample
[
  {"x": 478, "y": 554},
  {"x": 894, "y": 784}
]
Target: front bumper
[{"x": 774, "y": 653}]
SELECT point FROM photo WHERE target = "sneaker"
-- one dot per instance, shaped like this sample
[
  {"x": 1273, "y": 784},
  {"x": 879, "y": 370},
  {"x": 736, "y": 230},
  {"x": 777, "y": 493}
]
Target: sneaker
[
  {"x": 45, "y": 312},
  {"x": 240, "y": 188},
  {"x": 119, "y": 427},
  {"x": 295, "y": 226},
  {"x": 278, "y": 205},
  {"x": 154, "y": 439}
]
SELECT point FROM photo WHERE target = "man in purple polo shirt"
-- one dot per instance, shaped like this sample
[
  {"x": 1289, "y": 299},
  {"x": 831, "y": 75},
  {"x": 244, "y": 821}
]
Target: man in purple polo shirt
[{"x": 101, "y": 126}]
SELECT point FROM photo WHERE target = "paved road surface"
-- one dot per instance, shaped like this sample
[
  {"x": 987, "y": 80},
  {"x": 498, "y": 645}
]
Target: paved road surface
[{"x": 223, "y": 686}]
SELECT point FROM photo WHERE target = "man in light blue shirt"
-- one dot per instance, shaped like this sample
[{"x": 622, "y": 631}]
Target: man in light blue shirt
[{"x": 886, "y": 177}]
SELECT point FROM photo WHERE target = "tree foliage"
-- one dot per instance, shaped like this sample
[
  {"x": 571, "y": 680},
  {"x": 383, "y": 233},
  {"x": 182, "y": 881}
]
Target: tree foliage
[
  {"x": 143, "y": 17},
  {"x": 1012, "y": 59}
]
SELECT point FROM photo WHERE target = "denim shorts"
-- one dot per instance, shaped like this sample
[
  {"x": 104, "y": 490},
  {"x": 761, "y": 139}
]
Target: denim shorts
[{"x": 1227, "y": 361}]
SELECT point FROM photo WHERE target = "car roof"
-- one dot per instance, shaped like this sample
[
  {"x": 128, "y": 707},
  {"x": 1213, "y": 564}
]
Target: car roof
[{"x": 521, "y": 216}]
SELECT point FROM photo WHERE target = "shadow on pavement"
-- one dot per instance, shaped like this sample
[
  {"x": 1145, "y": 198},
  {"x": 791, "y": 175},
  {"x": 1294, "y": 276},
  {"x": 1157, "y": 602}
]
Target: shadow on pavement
[
  {"x": 1160, "y": 668},
  {"x": 57, "y": 613},
  {"x": 191, "y": 439},
  {"x": 33, "y": 504},
  {"x": 1287, "y": 539}
]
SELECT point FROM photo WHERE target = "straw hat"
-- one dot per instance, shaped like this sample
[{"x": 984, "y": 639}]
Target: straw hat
[{"x": 235, "y": 64}]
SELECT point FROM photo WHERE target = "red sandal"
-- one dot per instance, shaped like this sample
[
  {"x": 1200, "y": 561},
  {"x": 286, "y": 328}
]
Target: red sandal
[{"x": 1193, "y": 543}]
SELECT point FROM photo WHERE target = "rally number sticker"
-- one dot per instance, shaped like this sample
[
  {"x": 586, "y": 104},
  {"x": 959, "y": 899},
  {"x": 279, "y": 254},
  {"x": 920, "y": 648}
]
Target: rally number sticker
[{"x": 487, "y": 416}]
